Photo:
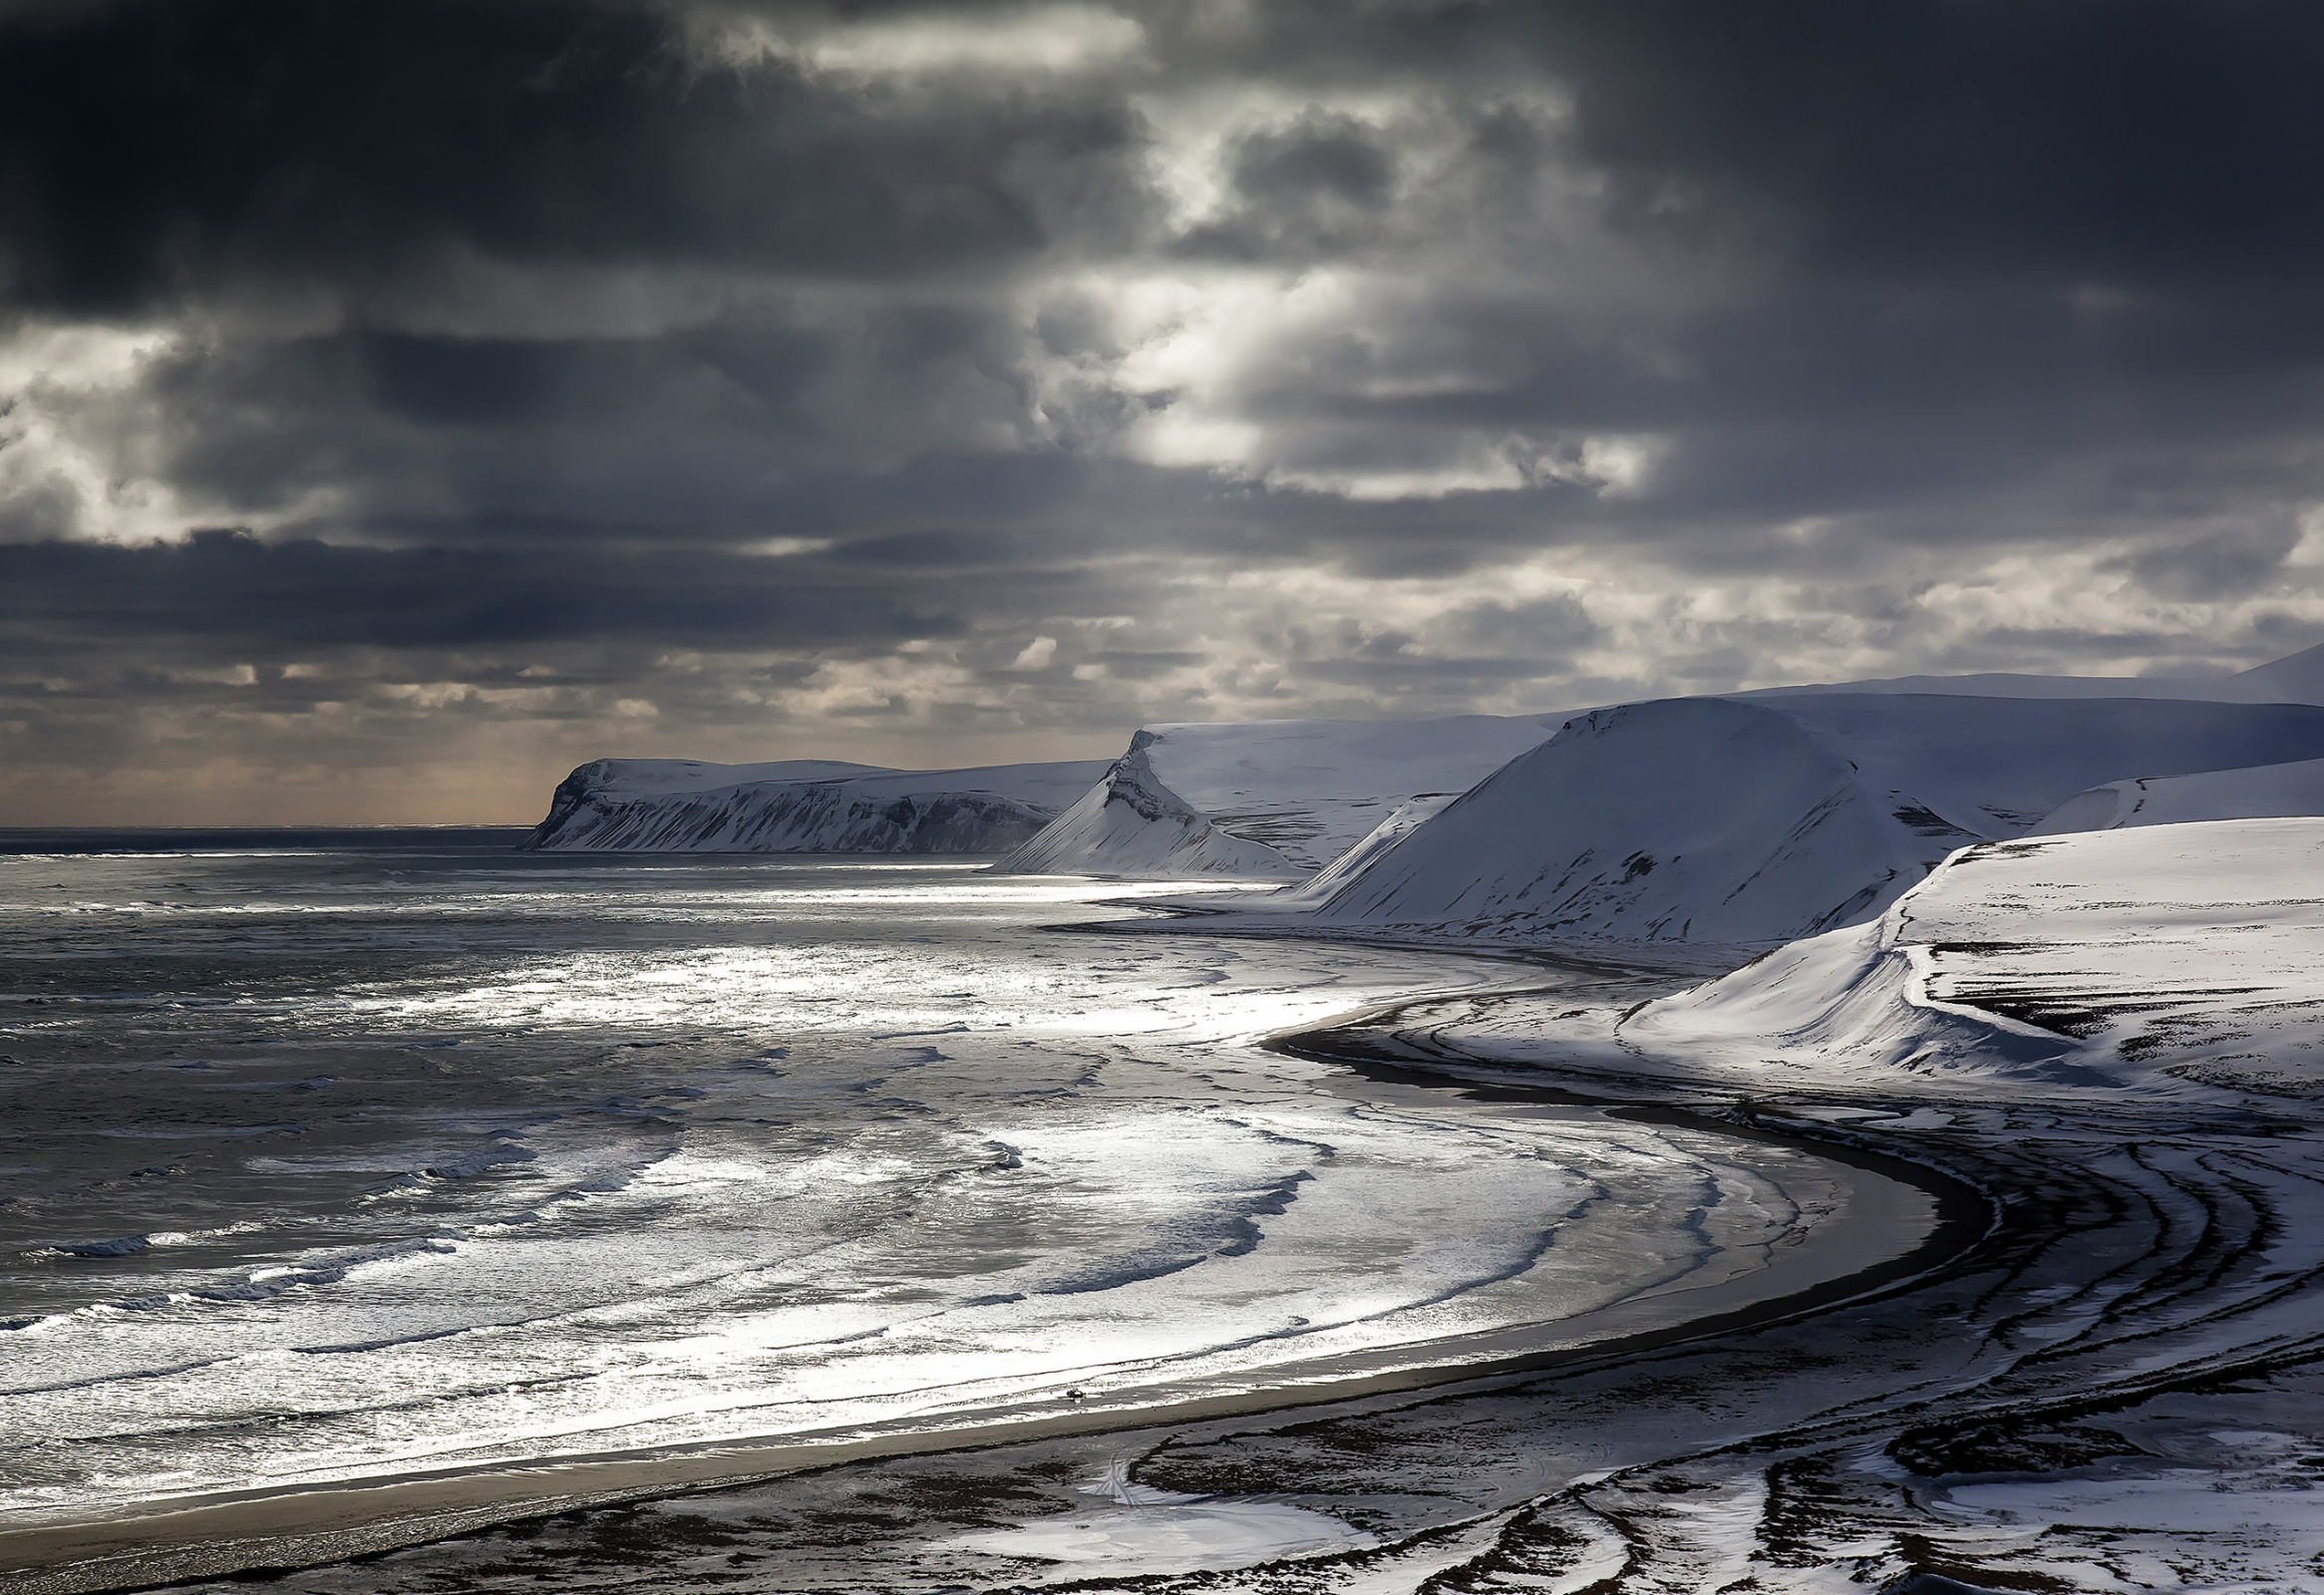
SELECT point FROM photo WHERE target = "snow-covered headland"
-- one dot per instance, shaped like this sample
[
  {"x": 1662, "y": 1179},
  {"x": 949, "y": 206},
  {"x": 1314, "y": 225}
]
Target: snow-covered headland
[
  {"x": 805, "y": 805},
  {"x": 1263, "y": 799},
  {"x": 1269, "y": 798},
  {"x": 1778, "y": 812}
]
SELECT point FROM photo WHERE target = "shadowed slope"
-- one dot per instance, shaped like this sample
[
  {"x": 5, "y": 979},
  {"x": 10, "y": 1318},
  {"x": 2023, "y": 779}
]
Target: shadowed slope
[{"x": 1712, "y": 820}]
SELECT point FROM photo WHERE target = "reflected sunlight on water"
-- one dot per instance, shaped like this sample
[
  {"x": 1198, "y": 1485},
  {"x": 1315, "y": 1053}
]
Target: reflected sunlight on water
[{"x": 333, "y": 1164}]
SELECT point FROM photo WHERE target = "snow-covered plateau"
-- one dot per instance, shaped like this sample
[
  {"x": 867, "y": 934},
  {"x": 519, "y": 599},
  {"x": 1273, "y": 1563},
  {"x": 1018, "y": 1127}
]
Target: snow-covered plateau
[
  {"x": 2295, "y": 679},
  {"x": 805, "y": 805},
  {"x": 1326, "y": 798}
]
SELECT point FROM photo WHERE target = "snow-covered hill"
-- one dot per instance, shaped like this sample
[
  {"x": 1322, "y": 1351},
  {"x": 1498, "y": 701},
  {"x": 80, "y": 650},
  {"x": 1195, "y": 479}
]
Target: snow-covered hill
[
  {"x": 2190, "y": 952},
  {"x": 2270, "y": 791},
  {"x": 805, "y": 805},
  {"x": 1266, "y": 797},
  {"x": 1715, "y": 819}
]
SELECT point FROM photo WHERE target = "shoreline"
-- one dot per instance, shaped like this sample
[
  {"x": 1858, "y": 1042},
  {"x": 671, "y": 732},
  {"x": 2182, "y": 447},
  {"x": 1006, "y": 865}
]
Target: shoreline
[{"x": 290, "y": 1526}]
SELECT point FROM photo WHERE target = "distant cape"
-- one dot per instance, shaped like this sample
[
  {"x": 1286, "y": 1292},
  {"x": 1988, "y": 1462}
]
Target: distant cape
[{"x": 804, "y": 807}]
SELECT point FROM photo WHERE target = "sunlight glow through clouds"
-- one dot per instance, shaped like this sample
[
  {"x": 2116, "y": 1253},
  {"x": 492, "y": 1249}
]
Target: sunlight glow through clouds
[
  {"x": 1006, "y": 40},
  {"x": 85, "y": 446},
  {"x": 51, "y": 379},
  {"x": 2308, "y": 552},
  {"x": 1204, "y": 342}
]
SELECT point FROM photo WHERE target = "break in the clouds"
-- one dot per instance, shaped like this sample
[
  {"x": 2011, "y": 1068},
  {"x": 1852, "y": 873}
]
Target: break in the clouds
[{"x": 400, "y": 403}]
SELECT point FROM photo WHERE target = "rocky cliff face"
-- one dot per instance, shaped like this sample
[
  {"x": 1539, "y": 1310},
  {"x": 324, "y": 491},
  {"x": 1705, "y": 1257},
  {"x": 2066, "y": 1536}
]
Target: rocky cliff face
[
  {"x": 1133, "y": 823},
  {"x": 607, "y": 806}
]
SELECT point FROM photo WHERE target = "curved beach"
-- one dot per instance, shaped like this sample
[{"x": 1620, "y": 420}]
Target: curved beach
[{"x": 1864, "y": 1223}]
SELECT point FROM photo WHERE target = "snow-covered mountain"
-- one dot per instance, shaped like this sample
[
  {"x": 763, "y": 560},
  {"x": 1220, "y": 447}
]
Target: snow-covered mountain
[
  {"x": 805, "y": 805},
  {"x": 1266, "y": 797},
  {"x": 1717, "y": 819},
  {"x": 2295, "y": 679},
  {"x": 2269, "y": 791},
  {"x": 2189, "y": 952}
]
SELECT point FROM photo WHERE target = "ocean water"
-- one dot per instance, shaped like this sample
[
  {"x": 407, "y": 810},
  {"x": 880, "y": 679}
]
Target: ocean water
[{"x": 340, "y": 1156}]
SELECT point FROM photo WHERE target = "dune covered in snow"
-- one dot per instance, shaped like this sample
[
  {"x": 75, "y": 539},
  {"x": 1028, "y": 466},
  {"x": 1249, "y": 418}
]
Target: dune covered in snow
[
  {"x": 805, "y": 805},
  {"x": 1726, "y": 821},
  {"x": 2106, "y": 1379},
  {"x": 2113, "y": 958},
  {"x": 1280, "y": 798},
  {"x": 2269, "y": 791}
]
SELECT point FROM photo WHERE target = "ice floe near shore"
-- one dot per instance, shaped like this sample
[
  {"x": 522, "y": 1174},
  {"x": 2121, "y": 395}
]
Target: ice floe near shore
[
  {"x": 1265, "y": 798},
  {"x": 2137, "y": 957},
  {"x": 805, "y": 805}
]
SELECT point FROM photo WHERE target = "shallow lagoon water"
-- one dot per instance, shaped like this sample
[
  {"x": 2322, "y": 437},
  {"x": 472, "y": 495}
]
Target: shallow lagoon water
[{"x": 341, "y": 1162}]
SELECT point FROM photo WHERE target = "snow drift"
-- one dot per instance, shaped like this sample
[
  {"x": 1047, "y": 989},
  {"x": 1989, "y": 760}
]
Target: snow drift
[
  {"x": 1717, "y": 819},
  {"x": 1265, "y": 798},
  {"x": 2103, "y": 958},
  {"x": 805, "y": 805},
  {"x": 2271, "y": 792}
]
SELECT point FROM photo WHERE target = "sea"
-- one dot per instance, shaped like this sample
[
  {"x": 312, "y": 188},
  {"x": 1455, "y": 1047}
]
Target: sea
[{"x": 341, "y": 1156}]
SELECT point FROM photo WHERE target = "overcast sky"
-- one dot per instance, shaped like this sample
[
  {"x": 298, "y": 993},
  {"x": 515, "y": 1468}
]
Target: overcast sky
[{"x": 402, "y": 403}]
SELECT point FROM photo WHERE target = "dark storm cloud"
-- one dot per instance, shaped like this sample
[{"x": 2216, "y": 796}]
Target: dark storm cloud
[
  {"x": 2139, "y": 141},
  {"x": 268, "y": 600},
  {"x": 2218, "y": 563},
  {"x": 149, "y": 147},
  {"x": 1965, "y": 239},
  {"x": 1313, "y": 190},
  {"x": 470, "y": 381},
  {"x": 1052, "y": 366}
]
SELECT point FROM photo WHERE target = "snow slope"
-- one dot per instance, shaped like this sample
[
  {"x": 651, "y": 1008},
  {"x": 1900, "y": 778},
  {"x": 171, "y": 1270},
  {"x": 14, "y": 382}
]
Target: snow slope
[
  {"x": 1320, "y": 888},
  {"x": 805, "y": 805},
  {"x": 1265, "y": 798},
  {"x": 1716, "y": 820},
  {"x": 2147, "y": 956},
  {"x": 2269, "y": 791}
]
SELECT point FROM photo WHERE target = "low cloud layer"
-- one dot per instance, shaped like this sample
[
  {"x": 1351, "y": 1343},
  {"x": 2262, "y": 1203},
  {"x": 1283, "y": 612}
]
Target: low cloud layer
[{"x": 400, "y": 405}]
